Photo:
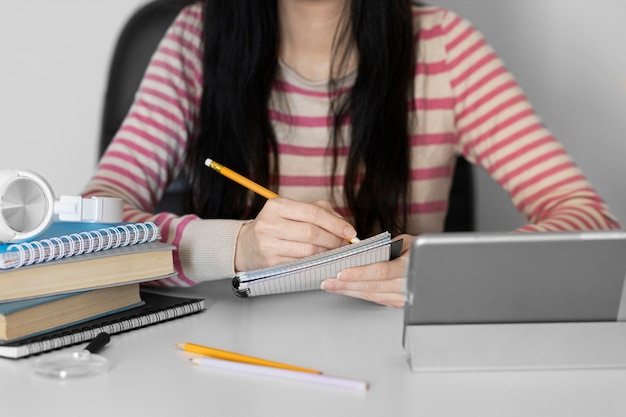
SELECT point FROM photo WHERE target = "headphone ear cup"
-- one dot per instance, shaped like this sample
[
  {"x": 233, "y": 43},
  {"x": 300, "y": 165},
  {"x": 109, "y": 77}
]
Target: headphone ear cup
[{"x": 26, "y": 205}]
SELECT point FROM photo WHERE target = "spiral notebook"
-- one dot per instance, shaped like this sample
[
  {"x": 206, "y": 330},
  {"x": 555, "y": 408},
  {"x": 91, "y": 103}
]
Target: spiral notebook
[
  {"x": 64, "y": 239},
  {"x": 308, "y": 273},
  {"x": 157, "y": 308}
]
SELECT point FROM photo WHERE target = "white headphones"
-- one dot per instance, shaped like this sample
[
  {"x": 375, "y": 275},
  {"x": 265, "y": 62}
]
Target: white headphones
[{"x": 28, "y": 206}]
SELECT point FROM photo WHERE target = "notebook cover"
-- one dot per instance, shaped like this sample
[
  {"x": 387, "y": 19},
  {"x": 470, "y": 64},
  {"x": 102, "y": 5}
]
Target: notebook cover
[
  {"x": 157, "y": 308},
  {"x": 60, "y": 234}
]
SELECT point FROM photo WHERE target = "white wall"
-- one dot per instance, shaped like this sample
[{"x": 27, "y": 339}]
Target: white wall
[
  {"x": 568, "y": 55},
  {"x": 53, "y": 64}
]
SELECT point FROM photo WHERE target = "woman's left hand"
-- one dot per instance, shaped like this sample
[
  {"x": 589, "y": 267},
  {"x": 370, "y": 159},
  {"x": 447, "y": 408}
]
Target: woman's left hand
[{"x": 381, "y": 282}]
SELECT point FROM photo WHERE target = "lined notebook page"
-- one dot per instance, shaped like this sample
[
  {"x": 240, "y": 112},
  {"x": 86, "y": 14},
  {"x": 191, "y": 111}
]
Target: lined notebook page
[{"x": 308, "y": 273}]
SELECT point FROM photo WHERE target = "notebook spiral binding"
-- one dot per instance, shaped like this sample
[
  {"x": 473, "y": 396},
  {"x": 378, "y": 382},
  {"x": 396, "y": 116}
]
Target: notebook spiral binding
[{"x": 28, "y": 253}]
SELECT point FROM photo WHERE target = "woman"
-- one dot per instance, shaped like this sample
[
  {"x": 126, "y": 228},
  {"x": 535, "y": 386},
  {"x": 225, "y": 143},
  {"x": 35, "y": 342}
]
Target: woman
[{"x": 353, "y": 111}]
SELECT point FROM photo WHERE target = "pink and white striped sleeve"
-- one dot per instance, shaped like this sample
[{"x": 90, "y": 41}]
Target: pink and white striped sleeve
[
  {"x": 149, "y": 150},
  {"x": 499, "y": 131}
]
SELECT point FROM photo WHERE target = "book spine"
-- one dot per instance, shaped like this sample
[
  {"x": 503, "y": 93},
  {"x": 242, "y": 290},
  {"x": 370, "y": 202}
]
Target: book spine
[{"x": 45, "y": 250}]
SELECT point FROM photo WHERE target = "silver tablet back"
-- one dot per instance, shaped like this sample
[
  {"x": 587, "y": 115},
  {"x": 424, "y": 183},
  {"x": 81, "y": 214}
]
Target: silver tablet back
[{"x": 517, "y": 277}]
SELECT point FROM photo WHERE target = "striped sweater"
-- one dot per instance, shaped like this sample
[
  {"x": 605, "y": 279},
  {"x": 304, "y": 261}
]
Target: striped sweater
[{"x": 466, "y": 103}]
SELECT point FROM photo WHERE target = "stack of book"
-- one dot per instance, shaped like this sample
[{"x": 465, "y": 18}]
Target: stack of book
[{"x": 78, "y": 279}]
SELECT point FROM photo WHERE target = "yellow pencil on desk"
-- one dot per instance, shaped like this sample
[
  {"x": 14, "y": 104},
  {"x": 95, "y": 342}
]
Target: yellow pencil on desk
[
  {"x": 249, "y": 184},
  {"x": 322, "y": 379},
  {"x": 238, "y": 357}
]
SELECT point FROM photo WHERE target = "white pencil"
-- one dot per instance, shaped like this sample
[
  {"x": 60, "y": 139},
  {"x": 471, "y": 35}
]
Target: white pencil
[{"x": 322, "y": 379}]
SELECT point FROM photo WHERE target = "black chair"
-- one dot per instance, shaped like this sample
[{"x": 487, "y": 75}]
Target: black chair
[
  {"x": 133, "y": 50},
  {"x": 137, "y": 42},
  {"x": 460, "y": 217}
]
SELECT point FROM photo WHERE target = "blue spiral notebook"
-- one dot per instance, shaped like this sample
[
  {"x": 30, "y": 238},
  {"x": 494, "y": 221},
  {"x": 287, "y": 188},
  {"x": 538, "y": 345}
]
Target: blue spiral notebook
[{"x": 64, "y": 239}]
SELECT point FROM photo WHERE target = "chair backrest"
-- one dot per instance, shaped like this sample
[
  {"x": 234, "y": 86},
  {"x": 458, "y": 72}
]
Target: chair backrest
[
  {"x": 133, "y": 50},
  {"x": 461, "y": 213},
  {"x": 135, "y": 45}
]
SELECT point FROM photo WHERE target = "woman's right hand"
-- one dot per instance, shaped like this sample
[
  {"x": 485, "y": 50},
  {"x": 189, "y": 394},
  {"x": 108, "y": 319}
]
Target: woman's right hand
[{"x": 286, "y": 230}]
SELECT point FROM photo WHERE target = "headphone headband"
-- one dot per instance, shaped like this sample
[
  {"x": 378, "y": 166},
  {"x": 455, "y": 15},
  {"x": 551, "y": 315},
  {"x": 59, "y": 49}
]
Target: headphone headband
[{"x": 28, "y": 207}]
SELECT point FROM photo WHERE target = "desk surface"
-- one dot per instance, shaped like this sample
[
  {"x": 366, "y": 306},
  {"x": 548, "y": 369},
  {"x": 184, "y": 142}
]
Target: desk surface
[{"x": 339, "y": 335}]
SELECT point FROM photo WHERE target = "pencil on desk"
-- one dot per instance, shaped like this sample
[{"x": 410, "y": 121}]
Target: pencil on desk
[
  {"x": 322, "y": 379},
  {"x": 249, "y": 184},
  {"x": 238, "y": 357}
]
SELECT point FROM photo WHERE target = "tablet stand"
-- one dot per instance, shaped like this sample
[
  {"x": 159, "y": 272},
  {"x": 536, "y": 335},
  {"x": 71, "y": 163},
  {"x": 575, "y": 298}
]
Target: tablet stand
[{"x": 515, "y": 346}]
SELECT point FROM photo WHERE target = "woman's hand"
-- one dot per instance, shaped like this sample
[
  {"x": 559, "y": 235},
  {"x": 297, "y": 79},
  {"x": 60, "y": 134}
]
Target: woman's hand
[
  {"x": 381, "y": 282},
  {"x": 286, "y": 230}
]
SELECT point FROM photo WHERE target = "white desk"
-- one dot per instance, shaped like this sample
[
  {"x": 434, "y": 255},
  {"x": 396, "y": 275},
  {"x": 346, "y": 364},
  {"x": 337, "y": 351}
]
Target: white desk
[{"x": 338, "y": 335}]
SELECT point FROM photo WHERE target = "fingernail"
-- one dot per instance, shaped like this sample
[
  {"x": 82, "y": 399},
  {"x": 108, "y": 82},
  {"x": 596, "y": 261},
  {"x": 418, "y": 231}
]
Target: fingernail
[
  {"x": 327, "y": 285},
  {"x": 349, "y": 232}
]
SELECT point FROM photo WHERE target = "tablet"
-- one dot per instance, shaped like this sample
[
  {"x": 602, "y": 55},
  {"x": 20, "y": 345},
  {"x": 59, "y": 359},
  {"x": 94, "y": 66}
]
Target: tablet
[{"x": 514, "y": 277}]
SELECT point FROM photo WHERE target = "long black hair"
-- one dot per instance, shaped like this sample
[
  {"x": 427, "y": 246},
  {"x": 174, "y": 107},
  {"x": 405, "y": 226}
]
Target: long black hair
[{"x": 241, "y": 44}]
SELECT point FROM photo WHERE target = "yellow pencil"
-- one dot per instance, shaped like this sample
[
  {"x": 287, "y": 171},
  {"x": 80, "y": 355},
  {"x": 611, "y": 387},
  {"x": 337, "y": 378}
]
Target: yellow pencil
[
  {"x": 240, "y": 179},
  {"x": 249, "y": 184},
  {"x": 237, "y": 357}
]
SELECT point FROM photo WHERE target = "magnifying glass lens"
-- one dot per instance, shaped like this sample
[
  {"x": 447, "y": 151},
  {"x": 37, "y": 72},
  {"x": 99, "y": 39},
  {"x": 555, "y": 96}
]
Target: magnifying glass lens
[{"x": 71, "y": 365}]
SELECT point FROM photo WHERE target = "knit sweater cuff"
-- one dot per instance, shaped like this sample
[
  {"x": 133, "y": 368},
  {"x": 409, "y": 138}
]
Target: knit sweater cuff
[{"x": 207, "y": 249}]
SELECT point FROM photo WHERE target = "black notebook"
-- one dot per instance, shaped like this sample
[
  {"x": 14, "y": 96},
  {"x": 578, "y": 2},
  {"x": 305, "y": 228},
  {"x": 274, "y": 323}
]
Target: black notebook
[{"x": 157, "y": 308}]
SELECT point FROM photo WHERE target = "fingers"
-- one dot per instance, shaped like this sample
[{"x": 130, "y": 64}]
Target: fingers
[
  {"x": 396, "y": 300},
  {"x": 327, "y": 205},
  {"x": 286, "y": 230},
  {"x": 379, "y": 271},
  {"x": 311, "y": 224},
  {"x": 388, "y": 292},
  {"x": 381, "y": 282},
  {"x": 320, "y": 215}
]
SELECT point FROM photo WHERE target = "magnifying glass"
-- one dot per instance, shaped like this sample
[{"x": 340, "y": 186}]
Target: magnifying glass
[{"x": 75, "y": 364}]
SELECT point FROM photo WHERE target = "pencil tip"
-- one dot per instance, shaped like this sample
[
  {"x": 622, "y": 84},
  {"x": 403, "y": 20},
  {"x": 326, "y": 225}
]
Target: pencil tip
[
  {"x": 208, "y": 161},
  {"x": 179, "y": 345}
]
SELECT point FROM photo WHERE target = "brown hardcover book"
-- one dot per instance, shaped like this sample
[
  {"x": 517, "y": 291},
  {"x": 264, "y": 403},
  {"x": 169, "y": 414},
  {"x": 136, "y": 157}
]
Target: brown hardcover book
[
  {"x": 111, "y": 267},
  {"x": 25, "y": 318}
]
